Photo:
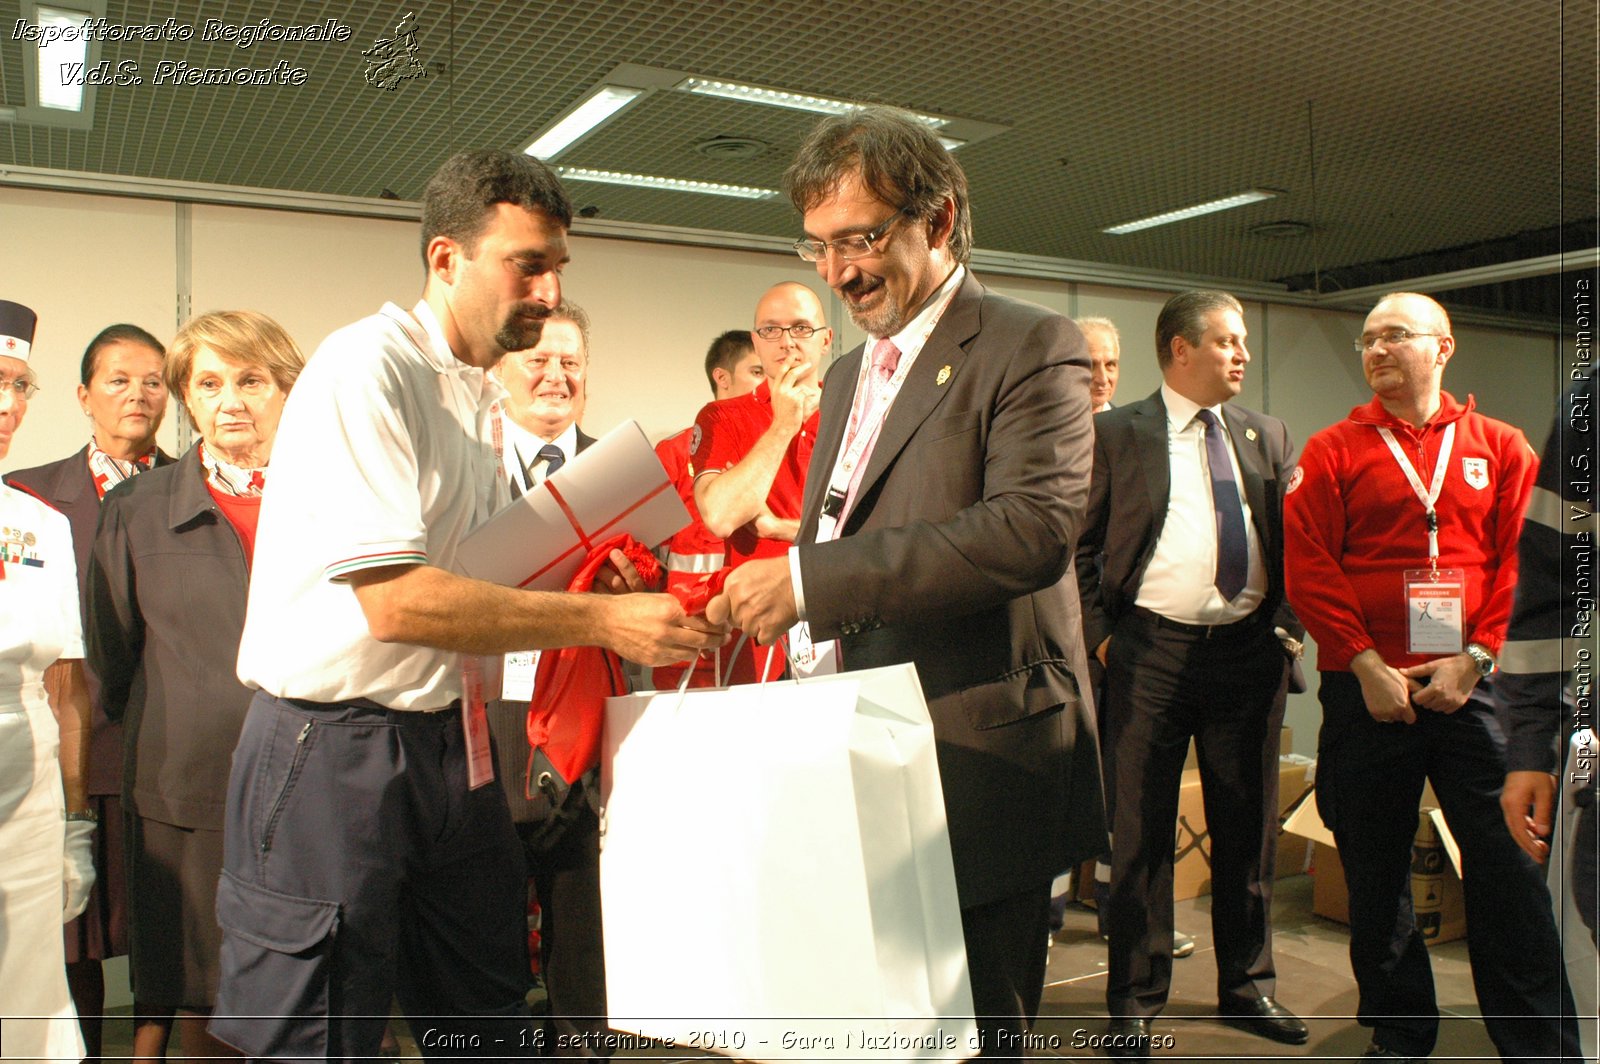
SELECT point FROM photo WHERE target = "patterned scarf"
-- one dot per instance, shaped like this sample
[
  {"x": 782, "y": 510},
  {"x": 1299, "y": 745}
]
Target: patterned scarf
[
  {"x": 231, "y": 479},
  {"x": 109, "y": 472}
]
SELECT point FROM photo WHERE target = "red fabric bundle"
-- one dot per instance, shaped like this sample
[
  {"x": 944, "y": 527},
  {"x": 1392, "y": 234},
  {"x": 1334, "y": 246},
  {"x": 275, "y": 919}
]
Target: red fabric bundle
[{"x": 573, "y": 683}]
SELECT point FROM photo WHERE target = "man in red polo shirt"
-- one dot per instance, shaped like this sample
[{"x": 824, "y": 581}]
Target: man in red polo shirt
[
  {"x": 751, "y": 452},
  {"x": 732, "y": 369}
]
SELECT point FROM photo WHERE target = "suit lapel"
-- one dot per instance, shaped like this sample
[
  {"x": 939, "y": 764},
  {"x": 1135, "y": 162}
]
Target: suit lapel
[
  {"x": 1251, "y": 466},
  {"x": 838, "y": 390},
  {"x": 937, "y": 367},
  {"x": 1150, "y": 439}
]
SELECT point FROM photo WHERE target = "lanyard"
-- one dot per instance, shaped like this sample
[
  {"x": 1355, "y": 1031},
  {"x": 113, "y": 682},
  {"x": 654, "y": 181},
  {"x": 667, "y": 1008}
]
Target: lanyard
[
  {"x": 1430, "y": 495},
  {"x": 866, "y": 435}
]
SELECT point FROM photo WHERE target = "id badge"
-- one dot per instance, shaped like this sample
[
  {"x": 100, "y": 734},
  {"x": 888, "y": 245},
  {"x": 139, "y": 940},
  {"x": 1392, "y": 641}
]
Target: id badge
[
  {"x": 812, "y": 659},
  {"x": 517, "y": 672},
  {"x": 1435, "y": 608},
  {"x": 475, "y": 724}
]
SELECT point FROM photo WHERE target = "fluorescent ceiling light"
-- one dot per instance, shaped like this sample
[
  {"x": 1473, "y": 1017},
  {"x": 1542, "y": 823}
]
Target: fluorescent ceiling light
[
  {"x": 593, "y": 112},
  {"x": 794, "y": 101},
  {"x": 1255, "y": 195},
  {"x": 61, "y": 67},
  {"x": 667, "y": 184}
]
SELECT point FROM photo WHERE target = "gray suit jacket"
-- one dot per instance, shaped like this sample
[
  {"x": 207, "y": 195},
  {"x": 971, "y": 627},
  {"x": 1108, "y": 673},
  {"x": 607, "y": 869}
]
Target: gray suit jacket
[{"x": 953, "y": 558}]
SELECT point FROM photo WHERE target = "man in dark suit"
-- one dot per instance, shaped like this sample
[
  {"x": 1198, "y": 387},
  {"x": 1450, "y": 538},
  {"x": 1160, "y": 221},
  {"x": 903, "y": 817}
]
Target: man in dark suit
[
  {"x": 1180, "y": 605},
  {"x": 545, "y": 389},
  {"x": 942, "y": 503}
]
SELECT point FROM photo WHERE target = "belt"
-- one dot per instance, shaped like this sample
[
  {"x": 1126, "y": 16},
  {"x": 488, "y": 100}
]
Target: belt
[{"x": 1203, "y": 631}]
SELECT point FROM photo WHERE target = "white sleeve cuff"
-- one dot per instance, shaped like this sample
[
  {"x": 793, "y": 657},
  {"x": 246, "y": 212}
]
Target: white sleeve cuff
[{"x": 794, "y": 578}]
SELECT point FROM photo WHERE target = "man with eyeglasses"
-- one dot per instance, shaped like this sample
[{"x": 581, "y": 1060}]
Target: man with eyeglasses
[
  {"x": 750, "y": 452},
  {"x": 945, "y": 496},
  {"x": 732, "y": 369},
  {"x": 1401, "y": 527}
]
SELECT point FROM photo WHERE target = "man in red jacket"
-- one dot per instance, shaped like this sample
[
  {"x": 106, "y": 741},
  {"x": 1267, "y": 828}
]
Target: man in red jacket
[
  {"x": 732, "y": 369},
  {"x": 1401, "y": 530}
]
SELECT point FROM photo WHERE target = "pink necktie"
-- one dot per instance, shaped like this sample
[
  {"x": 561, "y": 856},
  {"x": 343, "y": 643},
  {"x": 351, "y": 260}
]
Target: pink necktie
[{"x": 885, "y": 358}]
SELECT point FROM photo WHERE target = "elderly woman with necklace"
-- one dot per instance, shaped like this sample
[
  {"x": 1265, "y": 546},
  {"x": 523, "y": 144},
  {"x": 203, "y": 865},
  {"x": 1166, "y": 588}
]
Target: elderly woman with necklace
[{"x": 167, "y": 585}]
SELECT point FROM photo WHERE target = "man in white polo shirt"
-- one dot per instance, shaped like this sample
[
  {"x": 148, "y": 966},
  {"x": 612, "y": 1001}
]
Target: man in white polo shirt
[{"x": 360, "y": 862}]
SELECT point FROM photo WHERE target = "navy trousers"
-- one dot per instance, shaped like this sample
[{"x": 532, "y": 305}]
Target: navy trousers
[
  {"x": 1369, "y": 782},
  {"x": 358, "y": 867}
]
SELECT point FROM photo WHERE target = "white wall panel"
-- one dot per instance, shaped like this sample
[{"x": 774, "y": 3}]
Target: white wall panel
[{"x": 82, "y": 263}]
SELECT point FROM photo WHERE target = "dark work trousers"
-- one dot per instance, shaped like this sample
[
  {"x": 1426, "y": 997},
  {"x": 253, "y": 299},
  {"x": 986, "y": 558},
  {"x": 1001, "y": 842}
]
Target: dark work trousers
[
  {"x": 1369, "y": 782},
  {"x": 358, "y": 867},
  {"x": 1164, "y": 684},
  {"x": 566, "y": 874},
  {"x": 1007, "y": 951}
]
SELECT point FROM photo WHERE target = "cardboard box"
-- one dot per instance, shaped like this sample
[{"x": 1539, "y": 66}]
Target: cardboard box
[
  {"x": 1191, "y": 865},
  {"x": 1436, "y": 894},
  {"x": 1191, "y": 869}
]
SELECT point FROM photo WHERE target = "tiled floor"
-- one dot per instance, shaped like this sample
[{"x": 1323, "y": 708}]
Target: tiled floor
[{"x": 1313, "y": 981}]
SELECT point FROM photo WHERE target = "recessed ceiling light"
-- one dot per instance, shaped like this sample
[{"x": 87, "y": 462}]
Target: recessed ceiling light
[
  {"x": 63, "y": 57},
  {"x": 667, "y": 184},
  {"x": 1255, "y": 195},
  {"x": 794, "y": 101},
  {"x": 591, "y": 113}
]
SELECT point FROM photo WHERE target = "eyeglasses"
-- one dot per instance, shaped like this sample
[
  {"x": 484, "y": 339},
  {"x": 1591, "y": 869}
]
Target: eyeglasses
[
  {"x": 19, "y": 388},
  {"x": 1389, "y": 338},
  {"x": 799, "y": 330},
  {"x": 849, "y": 248}
]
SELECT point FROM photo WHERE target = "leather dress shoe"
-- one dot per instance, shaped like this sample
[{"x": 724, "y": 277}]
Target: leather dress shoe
[
  {"x": 1128, "y": 1038},
  {"x": 1265, "y": 1017},
  {"x": 1380, "y": 1051}
]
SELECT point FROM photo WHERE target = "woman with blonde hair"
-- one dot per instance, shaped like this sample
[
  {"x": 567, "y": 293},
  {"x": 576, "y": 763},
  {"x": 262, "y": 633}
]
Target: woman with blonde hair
[{"x": 167, "y": 585}]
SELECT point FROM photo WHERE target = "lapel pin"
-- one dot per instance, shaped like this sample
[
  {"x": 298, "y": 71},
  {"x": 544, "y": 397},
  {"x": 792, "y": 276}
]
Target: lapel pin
[
  {"x": 1250, "y": 434},
  {"x": 944, "y": 375}
]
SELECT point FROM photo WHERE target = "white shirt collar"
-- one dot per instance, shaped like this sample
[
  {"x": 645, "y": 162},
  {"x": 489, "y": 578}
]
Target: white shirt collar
[
  {"x": 915, "y": 331},
  {"x": 437, "y": 350},
  {"x": 1181, "y": 410},
  {"x": 528, "y": 443}
]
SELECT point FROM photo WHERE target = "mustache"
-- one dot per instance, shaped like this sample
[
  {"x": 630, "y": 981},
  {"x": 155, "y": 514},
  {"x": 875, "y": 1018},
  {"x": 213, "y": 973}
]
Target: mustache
[{"x": 858, "y": 286}]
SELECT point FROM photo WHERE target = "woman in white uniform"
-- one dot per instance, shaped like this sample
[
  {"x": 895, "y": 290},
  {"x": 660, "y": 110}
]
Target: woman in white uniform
[{"x": 45, "y": 828}]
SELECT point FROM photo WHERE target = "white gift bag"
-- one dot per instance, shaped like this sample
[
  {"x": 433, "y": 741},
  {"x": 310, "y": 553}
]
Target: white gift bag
[{"x": 775, "y": 872}]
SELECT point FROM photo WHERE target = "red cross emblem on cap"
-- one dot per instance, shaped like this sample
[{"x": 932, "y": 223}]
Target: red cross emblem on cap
[{"x": 11, "y": 343}]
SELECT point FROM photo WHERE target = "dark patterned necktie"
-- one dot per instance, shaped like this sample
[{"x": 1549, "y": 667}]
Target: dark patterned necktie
[
  {"x": 553, "y": 459},
  {"x": 1233, "y": 553}
]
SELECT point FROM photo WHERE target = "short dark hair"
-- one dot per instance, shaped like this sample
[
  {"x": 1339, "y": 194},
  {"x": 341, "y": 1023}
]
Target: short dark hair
[
  {"x": 725, "y": 353},
  {"x": 900, "y": 161},
  {"x": 1185, "y": 315},
  {"x": 460, "y": 194},
  {"x": 114, "y": 334}
]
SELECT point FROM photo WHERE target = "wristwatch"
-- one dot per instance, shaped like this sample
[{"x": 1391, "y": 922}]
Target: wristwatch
[
  {"x": 1483, "y": 660},
  {"x": 85, "y": 815}
]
